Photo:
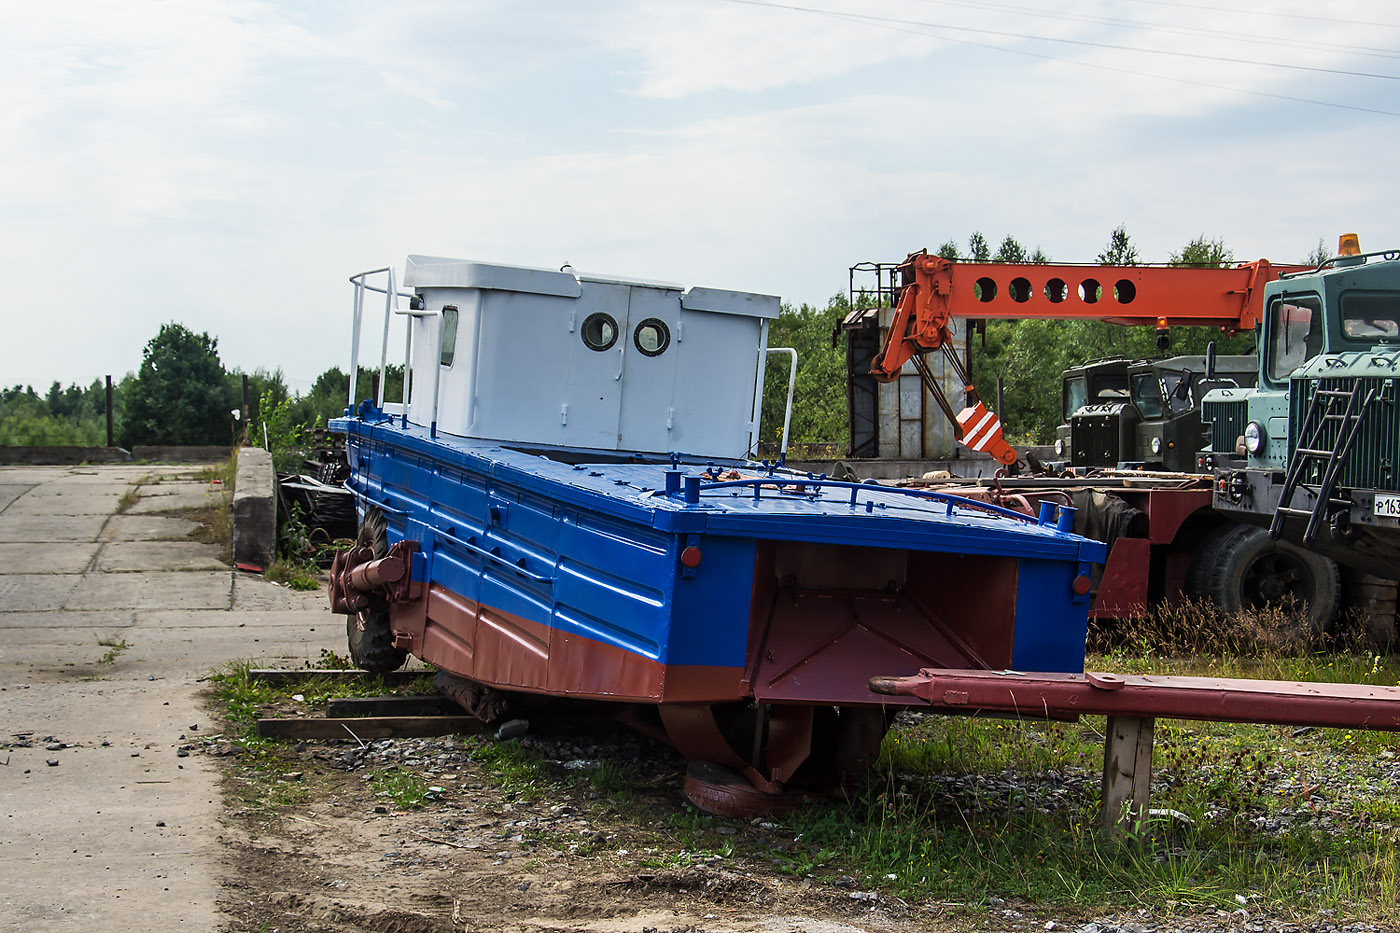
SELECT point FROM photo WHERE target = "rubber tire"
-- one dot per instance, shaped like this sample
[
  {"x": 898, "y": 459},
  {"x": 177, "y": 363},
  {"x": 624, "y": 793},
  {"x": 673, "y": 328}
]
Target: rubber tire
[
  {"x": 1248, "y": 559},
  {"x": 373, "y": 649},
  {"x": 1203, "y": 558}
]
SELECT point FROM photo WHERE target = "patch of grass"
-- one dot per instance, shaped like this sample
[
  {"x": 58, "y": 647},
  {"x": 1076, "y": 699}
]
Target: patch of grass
[
  {"x": 331, "y": 661},
  {"x": 128, "y": 499},
  {"x": 114, "y": 646},
  {"x": 965, "y": 808},
  {"x": 406, "y": 788},
  {"x": 261, "y": 780},
  {"x": 244, "y": 699},
  {"x": 293, "y": 574},
  {"x": 216, "y": 523},
  {"x": 222, "y": 472},
  {"x": 515, "y": 768},
  {"x": 1195, "y": 628},
  {"x": 607, "y": 778}
]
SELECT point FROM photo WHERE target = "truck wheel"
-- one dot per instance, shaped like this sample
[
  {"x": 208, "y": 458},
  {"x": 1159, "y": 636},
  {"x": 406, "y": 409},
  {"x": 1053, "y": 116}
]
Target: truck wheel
[
  {"x": 1203, "y": 558},
  {"x": 371, "y": 640},
  {"x": 1250, "y": 571}
]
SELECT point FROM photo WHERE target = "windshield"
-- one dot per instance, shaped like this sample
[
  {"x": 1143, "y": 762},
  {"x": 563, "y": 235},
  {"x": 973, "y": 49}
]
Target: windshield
[
  {"x": 1147, "y": 395},
  {"x": 1110, "y": 387},
  {"x": 1370, "y": 317},
  {"x": 1295, "y": 334},
  {"x": 1076, "y": 395}
]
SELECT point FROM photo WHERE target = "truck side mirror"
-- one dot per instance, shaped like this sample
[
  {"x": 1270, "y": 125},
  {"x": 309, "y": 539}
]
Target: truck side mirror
[
  {"x": 1210, "y": 360},
  {"x": 1183, "y": 388}
]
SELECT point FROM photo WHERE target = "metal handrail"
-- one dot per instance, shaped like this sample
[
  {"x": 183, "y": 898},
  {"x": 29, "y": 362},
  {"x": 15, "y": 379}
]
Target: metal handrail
[
  {"x": 817, "y": 484},
  {"x": 364, "y": 494},
  {"x": 492, "y": 555},
  {"x": 792, "y": 385},
  {"x": 437, "y": 368},
  {"x": 392, "y": 294},
  {"x": 470, "y": 545}
]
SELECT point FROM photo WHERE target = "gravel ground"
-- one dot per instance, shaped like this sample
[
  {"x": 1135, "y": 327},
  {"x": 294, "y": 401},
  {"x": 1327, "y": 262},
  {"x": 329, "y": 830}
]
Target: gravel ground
[{"x": 503, "y": 859}]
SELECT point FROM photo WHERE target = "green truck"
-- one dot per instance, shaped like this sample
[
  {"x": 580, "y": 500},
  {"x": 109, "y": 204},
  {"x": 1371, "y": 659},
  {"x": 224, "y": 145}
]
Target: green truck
[
  {"x": 1142, "y": 414},
  {"x": 1312, "y": 452}
]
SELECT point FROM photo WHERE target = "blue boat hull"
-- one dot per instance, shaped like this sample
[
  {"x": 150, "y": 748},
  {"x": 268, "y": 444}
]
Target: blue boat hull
[{"x": 586, "y": 579}]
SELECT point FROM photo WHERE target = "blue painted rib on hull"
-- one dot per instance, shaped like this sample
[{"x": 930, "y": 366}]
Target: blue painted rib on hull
[
  {"x": 571, "y": 619},
  {"x": 626, "y": 492},
  {"x": 602, "y": 548}
]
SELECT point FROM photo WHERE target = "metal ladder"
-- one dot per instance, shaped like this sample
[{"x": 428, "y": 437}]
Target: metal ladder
[{"x": 1322, "y": 411}]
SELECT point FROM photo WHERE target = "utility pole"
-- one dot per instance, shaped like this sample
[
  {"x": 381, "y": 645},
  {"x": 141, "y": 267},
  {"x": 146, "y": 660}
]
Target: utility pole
[{"x": 110, "y": 440}]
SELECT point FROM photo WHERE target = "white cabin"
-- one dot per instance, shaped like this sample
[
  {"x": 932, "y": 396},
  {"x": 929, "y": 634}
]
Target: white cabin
[{"x": 556, "y": 358}]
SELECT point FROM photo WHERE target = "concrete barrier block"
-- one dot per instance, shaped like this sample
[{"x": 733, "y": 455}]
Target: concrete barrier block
[
  {"x": 167, "y": 453},
  {"x": 254, "y": 509}
]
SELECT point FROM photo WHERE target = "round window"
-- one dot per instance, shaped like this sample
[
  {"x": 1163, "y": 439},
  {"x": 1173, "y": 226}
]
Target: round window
[
  {"x": 652, "y": 337},
  {"x": 599, "y": 331}
]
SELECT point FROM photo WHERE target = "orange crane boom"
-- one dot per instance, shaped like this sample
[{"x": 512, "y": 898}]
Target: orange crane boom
[{"x": 935, "y": 290}]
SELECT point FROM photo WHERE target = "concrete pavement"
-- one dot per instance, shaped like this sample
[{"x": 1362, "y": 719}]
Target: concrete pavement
[{"x": 109, "y": 625}]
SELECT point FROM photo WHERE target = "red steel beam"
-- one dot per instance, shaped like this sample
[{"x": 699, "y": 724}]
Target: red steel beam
[{"x": 1214, "y": 699}]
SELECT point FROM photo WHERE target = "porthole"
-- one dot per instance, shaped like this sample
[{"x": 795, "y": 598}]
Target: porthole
[
  {"x": 652, "y": 337},
  {"x": 599, "y": 331}
]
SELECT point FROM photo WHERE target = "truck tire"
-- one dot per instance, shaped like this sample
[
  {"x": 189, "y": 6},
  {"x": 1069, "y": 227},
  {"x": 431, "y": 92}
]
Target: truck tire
[
  {"x": 1250, "y": 570},
  {"x": 1203, "y": 557},
  {"x": 370, "y": 639}
]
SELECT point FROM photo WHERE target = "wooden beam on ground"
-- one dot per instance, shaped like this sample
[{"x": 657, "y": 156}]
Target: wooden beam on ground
[
  {"x": 278, "y": 676},
  {"x": 341, "y": 707},
  {"x": 370, "y": 727},
  {"x": 1127, "y": 774}
]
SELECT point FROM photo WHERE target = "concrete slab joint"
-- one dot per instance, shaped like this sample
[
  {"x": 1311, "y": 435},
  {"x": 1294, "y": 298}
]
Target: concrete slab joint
[{"x": 254, "y": 509}]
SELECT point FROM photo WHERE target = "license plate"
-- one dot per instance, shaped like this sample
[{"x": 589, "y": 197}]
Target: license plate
[{"x": 1388, "y": 506}]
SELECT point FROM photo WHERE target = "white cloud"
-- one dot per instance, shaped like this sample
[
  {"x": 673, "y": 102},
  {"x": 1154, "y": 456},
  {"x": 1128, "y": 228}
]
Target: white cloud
[{"x": 229, "y": 164}]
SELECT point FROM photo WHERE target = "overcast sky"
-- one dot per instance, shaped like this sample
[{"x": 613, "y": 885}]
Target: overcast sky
[{"x": 229, "y": 164}]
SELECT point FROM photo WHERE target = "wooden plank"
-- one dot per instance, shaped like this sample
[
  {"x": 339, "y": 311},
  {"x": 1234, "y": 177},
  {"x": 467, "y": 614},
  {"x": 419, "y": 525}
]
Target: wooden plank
[
  {"x": 1127, "y": 774},
  {"x": 283, "y": 677},
  {"x": 370, "y": 727},
  {"x": 341, "y": 707}
]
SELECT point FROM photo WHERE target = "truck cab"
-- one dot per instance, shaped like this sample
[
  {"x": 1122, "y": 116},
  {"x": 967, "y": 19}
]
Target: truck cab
[
  {"x": 1320, "y": 434},
  {"x": 1142, "y": 414},
  {"x": 1167, "y": 394},
  {"x": 1099, "y": 418}
]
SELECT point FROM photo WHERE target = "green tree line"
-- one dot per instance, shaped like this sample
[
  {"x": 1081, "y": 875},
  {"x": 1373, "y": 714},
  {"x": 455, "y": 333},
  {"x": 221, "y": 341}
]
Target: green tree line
[
  {"x": 1027, "y": 356},
  {"x": 183, "y": 394}
]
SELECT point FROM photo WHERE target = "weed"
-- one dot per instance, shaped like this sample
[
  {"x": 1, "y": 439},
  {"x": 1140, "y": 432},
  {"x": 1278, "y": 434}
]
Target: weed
[
  {"x": 406, "y": 788},
  {"x": 297, "y": 576},
  {"x": 223, "y": 472},
  {"x": 128, "y": 499},
  {"x": 294, "y": 537},
  {"x": 331, "y": 661},
  {"x": 114, "y": 648},
  {"x": 515, "y": 768},
  {"x": 285, "y": 438},
  {"x": 607, "y": 778},
  {"x": 244, "y": 698},
  {"x": 1202, "y": 628},
  {"x": 295, "y": 565},
  {"x": 260, "y": 782}
]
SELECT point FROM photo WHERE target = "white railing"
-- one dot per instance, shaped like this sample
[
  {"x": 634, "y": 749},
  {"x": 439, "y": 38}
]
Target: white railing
[
  {"x": 391, "y": 307},
  {"x": 792, "y": 384}
]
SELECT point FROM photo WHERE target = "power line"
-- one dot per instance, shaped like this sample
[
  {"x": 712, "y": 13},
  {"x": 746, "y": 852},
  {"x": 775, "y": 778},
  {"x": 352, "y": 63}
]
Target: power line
[
  {"x": 897, "y": 25},
  {"x": 1211, "y": 8},
  {"x": 870, "y": 17},
  {"x": 1179, "y": 30}
]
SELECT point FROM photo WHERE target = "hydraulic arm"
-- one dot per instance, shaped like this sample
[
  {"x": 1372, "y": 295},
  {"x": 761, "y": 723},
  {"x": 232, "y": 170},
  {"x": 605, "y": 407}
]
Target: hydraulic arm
[{"x": 934, "y": 290}]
